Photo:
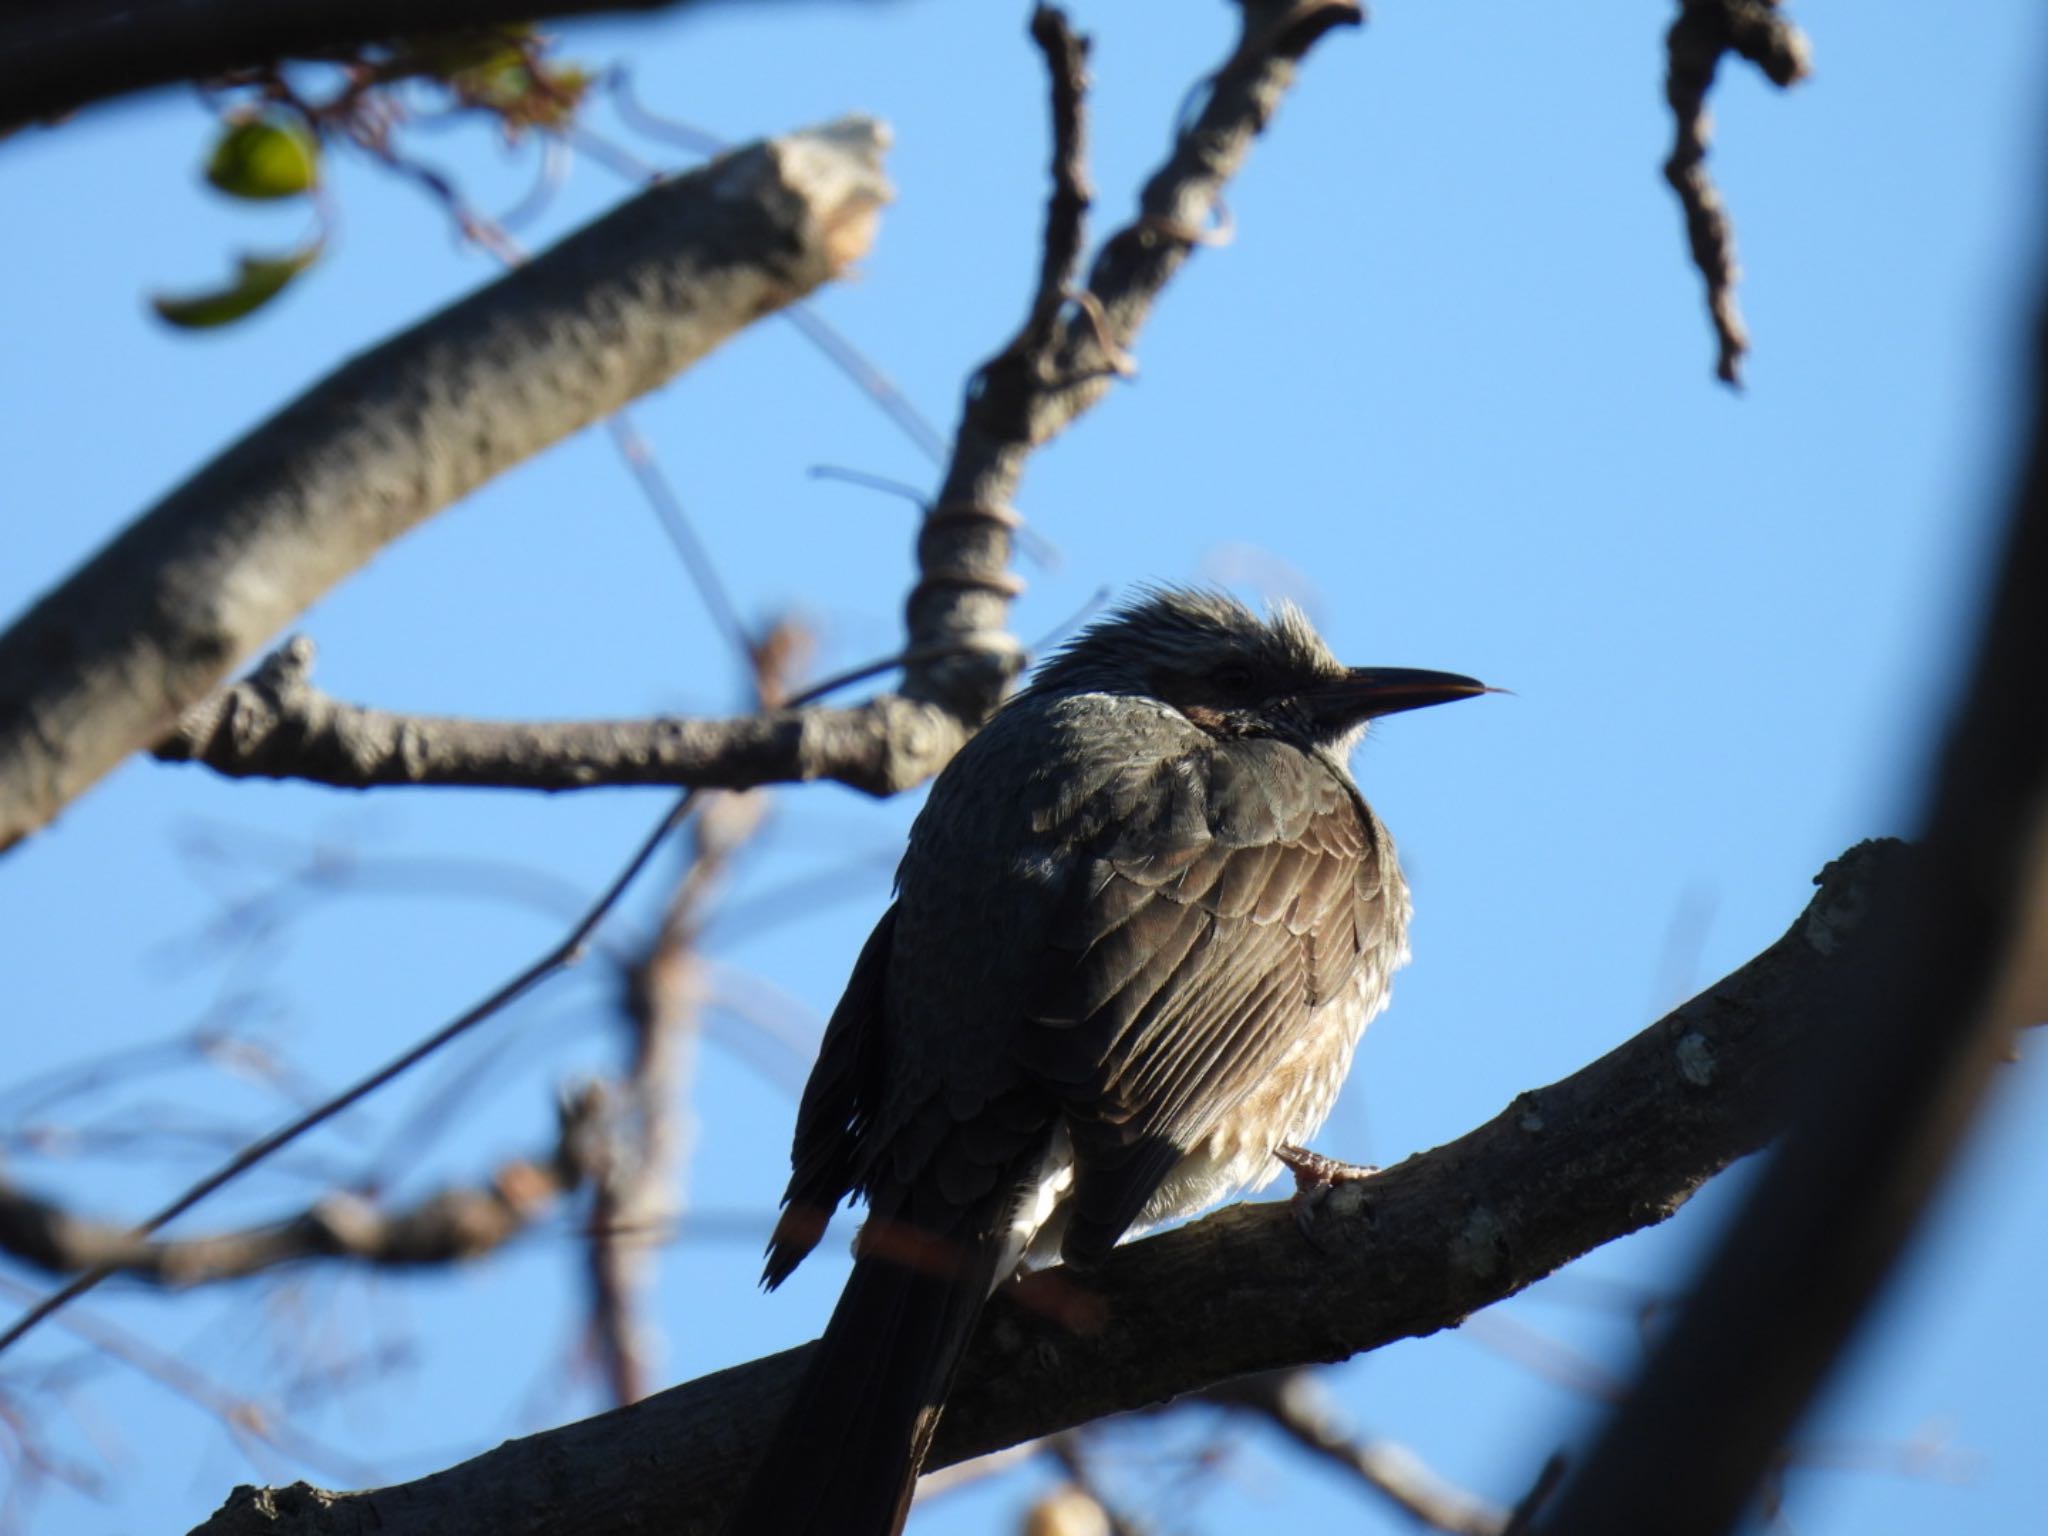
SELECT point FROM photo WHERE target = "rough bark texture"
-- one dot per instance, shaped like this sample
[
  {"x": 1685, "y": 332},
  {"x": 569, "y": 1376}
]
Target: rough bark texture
[
  {"x": 276, "y": 724},
  {"x": 1067, "y": 353},
  {"x": 104, "y": 664},
  {"x": 959, "y": 658},
  {"x": 1617, "y": 1146}
]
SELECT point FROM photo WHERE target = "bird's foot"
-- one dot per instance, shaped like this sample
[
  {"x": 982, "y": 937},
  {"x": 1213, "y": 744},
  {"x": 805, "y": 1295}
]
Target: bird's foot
[{"x": 1315, "y": 1176}]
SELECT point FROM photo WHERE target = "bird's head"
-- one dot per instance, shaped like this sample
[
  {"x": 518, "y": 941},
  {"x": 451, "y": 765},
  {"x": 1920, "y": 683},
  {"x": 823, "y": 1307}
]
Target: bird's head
[{"x": 1234, "y": 674}]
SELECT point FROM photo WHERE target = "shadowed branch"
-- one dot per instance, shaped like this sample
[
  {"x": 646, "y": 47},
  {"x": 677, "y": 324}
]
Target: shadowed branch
[{"x": 1617, "y": 1146}]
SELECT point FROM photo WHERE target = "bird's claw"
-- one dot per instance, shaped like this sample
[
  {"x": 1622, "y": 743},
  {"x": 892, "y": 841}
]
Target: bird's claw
[{"x": 1315, "y": 1176}]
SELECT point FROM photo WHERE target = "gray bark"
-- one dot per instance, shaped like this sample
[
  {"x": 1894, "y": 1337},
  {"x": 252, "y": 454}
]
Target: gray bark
[
  {"x": 276, "y": 724},
  {"x": 104, "y": 664}
]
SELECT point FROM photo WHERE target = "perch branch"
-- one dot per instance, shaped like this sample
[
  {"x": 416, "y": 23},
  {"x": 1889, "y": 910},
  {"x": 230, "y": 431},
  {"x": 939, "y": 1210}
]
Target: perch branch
[{"x": 1619, "y": 1145}]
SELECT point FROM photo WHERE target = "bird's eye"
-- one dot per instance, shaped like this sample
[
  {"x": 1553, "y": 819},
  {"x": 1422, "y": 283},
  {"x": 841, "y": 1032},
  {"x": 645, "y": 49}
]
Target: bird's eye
[{"x": 1232, "y": 677}]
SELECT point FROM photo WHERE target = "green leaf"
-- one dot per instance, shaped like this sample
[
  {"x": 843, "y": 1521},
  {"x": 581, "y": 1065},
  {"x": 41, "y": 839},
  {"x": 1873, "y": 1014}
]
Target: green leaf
[
  {"x": 258, "y": 280},
  {"x": 264, "y": 158}
]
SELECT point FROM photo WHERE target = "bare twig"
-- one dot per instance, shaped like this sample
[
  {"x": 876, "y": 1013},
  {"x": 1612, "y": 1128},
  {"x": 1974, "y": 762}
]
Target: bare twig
[
  {"x": 105, "y": 663},
  {"x": 456, "y": 1223},
  {"x": 1299, "y": 1406},
  {"x": 868, "y": 378},
  {"x": 1619, "y": 1145},
  {"x": 639, "y": 1191},
  {"x": 959, "y": 659},
  {"x": 242, "y": 1416},
  {"x": 1050, "y": 374},
  {"x": 1704, "y": 30},
  {"x": 1086, "y": 1504},
  {"x": 1066, "y": 60},
  {"x": 668, "y": 507},
  {"x": 564, "y": 954}
]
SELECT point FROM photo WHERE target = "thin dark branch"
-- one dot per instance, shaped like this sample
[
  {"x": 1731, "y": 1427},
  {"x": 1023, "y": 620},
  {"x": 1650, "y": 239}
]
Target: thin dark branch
[
  {"x": 59, "y": 55},
  {"x": 455, "y": 1223},
  {"x": 675, "y": 521},
  {"x": 868, "y": 378},
  {"x": 1617, "y": 1146},
  {"x": 1704, "y": 30},
  {"x": 242, "y": 1416},
  {"x": 104, "y": 664},
  {"x": 1294, "y": 1402},
  {"x": 960, "y": 658},
  {"x": 639, "y": 1190},
  {"x": 1893, "y": 1085},
  {"x": 563, "y": 955}
]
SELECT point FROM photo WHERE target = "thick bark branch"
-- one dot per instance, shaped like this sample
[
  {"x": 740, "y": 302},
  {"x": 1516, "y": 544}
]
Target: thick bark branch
[
  {"x": 59, "y": 55},
  {"x": 1615, "y": 1147},
  {"x": 105, "y": 663},
  {"x": 276, "y": 724},
  {"x": 1063, "y": 358},
  {"x": 959, "y": 658}
]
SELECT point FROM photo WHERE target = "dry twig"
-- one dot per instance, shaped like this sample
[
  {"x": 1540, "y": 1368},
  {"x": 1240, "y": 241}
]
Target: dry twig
[
  {"x": 456, "y": 1223},
  {"x": 1703, "y": 32}
]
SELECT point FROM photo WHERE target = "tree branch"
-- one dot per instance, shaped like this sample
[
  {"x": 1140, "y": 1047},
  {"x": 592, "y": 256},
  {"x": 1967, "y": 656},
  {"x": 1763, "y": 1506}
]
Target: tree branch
[
  {"x": 1704, "y": 30},
  {"x": 104, "y": 664},
  {"x": 1618, "y": 1145},
  {"x": 275, "y": 724},
  {"x": 59, "y": 55},
  {"x": 1063, "y": 358},
  {"x": 960, "y": 658},
  {"x": 451, "y": 1224},
  {"x": 1297, "y": 1404}
]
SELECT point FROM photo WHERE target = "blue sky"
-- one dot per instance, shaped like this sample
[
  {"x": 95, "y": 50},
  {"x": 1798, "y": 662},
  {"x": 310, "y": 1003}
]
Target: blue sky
[{"x": 1450, "y": 385}]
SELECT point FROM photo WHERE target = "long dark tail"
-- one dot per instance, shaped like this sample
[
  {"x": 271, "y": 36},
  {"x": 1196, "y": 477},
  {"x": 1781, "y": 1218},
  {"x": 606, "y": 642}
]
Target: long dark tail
[{"x": 846, "y": 1458}]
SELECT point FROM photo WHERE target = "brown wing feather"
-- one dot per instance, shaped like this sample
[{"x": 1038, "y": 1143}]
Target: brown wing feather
[{"x": 1188, "y": 959}]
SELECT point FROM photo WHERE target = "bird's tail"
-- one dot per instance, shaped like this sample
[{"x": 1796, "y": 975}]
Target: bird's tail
[{"x": 846, "y": 1458}]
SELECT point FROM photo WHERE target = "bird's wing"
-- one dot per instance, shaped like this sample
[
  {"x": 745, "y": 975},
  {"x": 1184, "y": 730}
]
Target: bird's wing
[
  {"x": 839, "y": 1099},
  {"x": 1187, "y": 956}
]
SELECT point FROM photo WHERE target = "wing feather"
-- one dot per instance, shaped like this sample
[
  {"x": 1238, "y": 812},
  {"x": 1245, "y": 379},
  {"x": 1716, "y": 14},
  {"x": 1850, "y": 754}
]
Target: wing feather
[{"x": 1176, "y": 984}]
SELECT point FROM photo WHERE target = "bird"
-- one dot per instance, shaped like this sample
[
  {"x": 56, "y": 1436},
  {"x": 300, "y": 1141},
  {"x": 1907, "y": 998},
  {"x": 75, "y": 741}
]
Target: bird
[{"x": 1142, "y": 920}]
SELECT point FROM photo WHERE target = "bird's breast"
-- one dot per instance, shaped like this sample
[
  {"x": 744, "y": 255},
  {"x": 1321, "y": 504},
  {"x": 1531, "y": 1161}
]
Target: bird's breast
[{"x": 1236, "y": 1157}]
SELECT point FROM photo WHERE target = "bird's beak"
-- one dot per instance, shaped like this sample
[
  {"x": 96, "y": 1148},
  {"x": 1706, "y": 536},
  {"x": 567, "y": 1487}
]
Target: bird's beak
[{"x": 1366, "y": 693}]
